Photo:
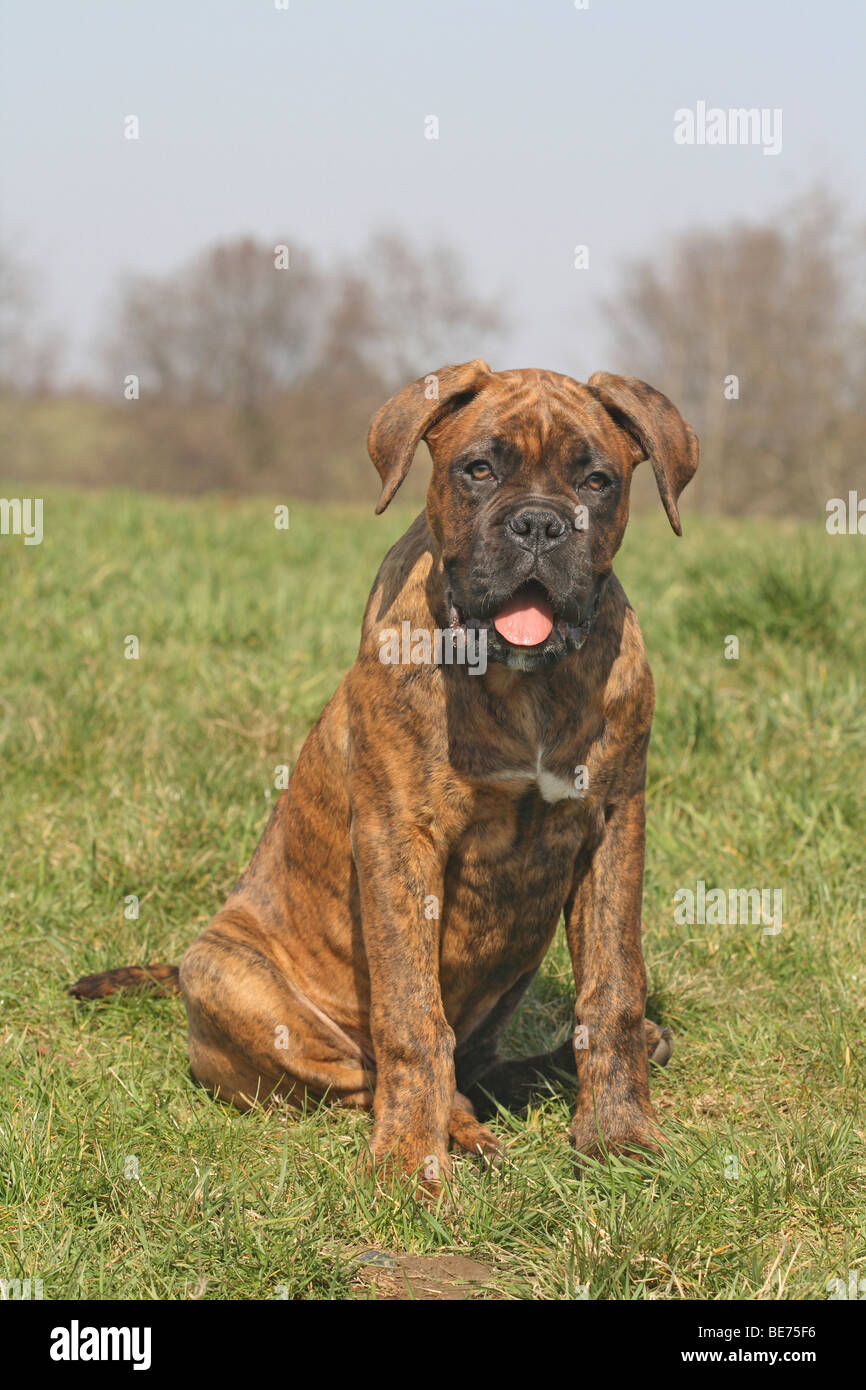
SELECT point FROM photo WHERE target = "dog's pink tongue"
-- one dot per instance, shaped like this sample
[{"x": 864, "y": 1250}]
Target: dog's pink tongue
[{"x": 526, "y": 619}]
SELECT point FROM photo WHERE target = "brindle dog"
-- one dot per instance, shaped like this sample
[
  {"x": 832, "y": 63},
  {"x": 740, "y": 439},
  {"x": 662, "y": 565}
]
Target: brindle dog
[{"x": 439, "y": 820}]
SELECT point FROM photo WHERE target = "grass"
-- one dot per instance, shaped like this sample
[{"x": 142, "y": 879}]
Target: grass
[{"x": 152, "y": 777}]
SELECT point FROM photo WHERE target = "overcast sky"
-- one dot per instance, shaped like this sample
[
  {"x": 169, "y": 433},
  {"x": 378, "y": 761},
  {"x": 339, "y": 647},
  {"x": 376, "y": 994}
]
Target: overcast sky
[{"x": 555, "y": 128}]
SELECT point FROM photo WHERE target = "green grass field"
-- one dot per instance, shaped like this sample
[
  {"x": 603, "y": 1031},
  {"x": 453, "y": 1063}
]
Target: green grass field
[{"x": 152, "y": 777}]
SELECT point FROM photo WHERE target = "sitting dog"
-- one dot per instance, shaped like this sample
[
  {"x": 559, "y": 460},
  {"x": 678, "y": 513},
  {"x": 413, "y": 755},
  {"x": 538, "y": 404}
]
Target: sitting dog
[{"x": 444, "y": 813}]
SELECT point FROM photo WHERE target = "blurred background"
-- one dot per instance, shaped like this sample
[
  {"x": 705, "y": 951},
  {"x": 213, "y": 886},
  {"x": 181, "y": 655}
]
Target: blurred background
[{"x": 496, "y": 179}]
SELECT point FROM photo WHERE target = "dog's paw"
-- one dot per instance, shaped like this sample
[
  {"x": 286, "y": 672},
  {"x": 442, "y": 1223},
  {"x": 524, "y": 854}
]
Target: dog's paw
[
  {"x": 472, "y": 1136},
  {"x": 407, "y": 1163},
  {"x": 629, "y": 1130},
  {"x": 468, "y": 1133},
  {"x": 659, "y": 1042}
]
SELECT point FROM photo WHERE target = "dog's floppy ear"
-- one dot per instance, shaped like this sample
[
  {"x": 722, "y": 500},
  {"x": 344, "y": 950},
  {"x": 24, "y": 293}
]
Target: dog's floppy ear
[
  {"x": 658, "y": 429},
  {"x": 398, "y": 428}
]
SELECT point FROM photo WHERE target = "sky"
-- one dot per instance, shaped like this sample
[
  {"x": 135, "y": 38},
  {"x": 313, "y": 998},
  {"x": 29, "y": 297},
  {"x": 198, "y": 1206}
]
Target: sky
[{"x": 556, "y": 129}]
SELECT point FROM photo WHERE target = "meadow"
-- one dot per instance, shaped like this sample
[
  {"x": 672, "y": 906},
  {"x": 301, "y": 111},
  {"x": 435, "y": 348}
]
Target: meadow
[{"x": 119, "y": 1178}]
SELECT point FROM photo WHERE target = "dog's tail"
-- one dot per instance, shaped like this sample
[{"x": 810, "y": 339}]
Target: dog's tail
[{"x": 159, "y": 980}]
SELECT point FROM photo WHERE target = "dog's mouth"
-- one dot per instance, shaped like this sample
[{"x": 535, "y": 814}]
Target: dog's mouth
[
  {"x": 528, "y": 627},
  {"x": 527, "y": 618}
]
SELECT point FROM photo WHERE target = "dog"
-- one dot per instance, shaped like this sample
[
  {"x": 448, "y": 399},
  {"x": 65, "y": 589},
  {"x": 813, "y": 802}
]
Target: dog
[{"x": 441, "y": 819}]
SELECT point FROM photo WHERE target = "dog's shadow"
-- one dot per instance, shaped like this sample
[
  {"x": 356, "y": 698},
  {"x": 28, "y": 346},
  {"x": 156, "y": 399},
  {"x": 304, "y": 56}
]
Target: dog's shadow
[{"x": 516, "y": 1084}]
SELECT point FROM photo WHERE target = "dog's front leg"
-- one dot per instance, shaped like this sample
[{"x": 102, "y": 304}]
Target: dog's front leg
[
  {"x": 400, "y": 879},
  {"x": 603, "y": 925}
]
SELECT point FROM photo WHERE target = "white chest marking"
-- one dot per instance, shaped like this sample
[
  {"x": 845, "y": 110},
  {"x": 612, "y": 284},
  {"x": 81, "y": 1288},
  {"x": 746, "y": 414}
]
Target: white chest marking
[{"x": 551, "y": 787}]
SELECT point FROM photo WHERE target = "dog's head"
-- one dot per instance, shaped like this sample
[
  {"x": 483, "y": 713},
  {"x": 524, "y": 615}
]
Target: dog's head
[{"x": 529, "y": 495}]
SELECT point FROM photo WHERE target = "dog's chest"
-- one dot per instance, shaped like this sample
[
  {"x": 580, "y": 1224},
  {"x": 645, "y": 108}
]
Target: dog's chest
[
  {"x": 552, "y": 785},
  {"x": 538, "y": 739},
  {"x": 515, "y": 857}
]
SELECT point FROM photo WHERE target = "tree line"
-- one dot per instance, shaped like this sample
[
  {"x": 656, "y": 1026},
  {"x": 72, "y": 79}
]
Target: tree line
[{"x": 256, "y": 367}]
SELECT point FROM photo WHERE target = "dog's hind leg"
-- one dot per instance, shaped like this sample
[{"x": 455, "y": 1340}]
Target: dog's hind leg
[{"x": 255, "y": 1037}]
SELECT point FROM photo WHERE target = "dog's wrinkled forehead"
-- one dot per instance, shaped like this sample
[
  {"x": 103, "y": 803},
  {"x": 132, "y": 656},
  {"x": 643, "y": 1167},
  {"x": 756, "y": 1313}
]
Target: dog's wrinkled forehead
[{"x": 536, "y": 416}]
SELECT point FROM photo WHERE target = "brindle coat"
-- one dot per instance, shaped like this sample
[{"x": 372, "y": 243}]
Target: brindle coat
[{"x": 411, "y": 878}]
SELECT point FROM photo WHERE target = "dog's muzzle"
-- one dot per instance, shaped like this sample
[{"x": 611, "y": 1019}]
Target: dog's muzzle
[{"x": 525, "y": 633}]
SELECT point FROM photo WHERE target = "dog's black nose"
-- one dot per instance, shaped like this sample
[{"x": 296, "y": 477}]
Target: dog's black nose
[{"x": 536, "y": 529}]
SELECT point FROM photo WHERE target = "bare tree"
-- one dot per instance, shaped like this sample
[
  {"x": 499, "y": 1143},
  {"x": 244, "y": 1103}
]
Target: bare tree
[
  {"x": 751, "y": 331},
  {"x": 235, "y": 327},
  {"x": 410, "y": 310},
  {"x": 247, "y": 369},
  {"x": 28, "y": 353},
  {"x": 230, "y": 326}
]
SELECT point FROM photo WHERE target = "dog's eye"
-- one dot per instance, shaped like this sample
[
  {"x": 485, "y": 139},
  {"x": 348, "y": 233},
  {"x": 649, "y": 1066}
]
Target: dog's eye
[
  {"x": 596, "y": 482},
  {"x": 479, "y": 470}
]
